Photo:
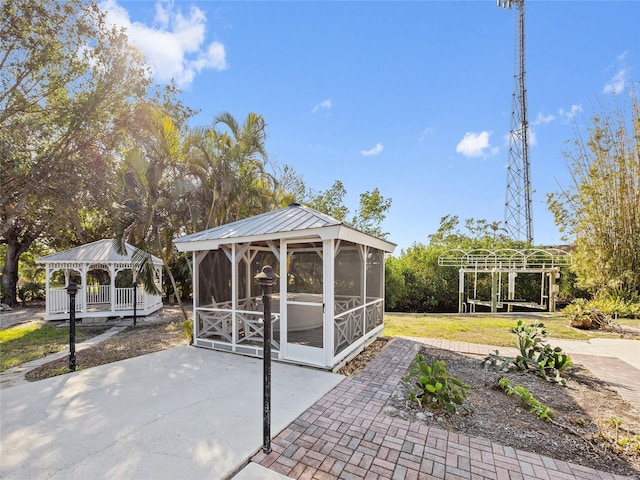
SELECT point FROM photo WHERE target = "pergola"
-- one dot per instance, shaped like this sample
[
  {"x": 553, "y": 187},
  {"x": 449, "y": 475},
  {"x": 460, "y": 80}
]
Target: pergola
[
  {"x": 327, "y": 306},
  {"x": 105, "y": 282},
  {"x": 510, "y": 262}
]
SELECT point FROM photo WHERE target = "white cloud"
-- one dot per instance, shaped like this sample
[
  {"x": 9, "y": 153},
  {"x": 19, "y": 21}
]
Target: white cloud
[
  {"x": 373, "y": 151},
  {"x": 618, "y": 83},
  {"x": 476, "y": 145},
  {"x": 175, "y": 45},
  {"x": 569, "y": 115},
  {"x": 542, "y": 119},
  {"x": 323, "y": 105}
]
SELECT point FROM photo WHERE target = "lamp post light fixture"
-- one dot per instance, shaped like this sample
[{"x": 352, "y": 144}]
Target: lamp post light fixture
[
  {"x": 266, "y": 280},
  {"x": 72, "y": 290},
  {"x": 135, "y": 302}
]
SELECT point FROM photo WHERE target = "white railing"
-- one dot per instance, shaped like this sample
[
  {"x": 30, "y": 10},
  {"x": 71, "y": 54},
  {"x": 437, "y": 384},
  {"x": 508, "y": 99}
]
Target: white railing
[
  {"x": 98, "y": 294},
  {"x": 58, "y": 300},
  {"x": 344, "y": 303},
  {"x": 217, "y": 323},
  {"x": 124, "y": 299},
  {"x": 253, "y": 327},
  {"x": 352, "y": 324}
]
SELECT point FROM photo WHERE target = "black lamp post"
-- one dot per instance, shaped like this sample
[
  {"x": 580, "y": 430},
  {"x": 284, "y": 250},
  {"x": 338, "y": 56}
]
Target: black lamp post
[
  {"x": 72, "y": 289},
  {"x": 266, "y": 279},
  {"x": 135, "y": 302}
]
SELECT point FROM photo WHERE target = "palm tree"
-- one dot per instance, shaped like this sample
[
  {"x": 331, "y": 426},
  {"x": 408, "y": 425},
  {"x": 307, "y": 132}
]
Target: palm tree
[
  {"x": 152, "y": 185},
  {"x": 229, "y": 167}
]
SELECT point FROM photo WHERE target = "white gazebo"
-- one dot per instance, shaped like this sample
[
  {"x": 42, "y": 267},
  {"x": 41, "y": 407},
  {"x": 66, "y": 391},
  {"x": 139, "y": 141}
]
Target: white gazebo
[
  {"x": 104, "y": 279},
  {"x": 328, "y": 305}
]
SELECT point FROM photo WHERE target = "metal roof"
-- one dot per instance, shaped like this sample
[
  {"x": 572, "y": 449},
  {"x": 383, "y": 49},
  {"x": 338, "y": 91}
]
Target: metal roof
[
  {"x": 101, "y": 251},
  {"x": 292, "y": 221}
]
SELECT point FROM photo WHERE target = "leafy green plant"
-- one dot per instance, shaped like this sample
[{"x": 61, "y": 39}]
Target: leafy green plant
[
  {"x": 618, "y": 442},
  {"x": 543, "y": 412},
  {"x": 602, "y": 310},
  {"x": 31, "y": 291},
  {"x": 536, "y": 354},
  {"x": 434, "y": 386}
]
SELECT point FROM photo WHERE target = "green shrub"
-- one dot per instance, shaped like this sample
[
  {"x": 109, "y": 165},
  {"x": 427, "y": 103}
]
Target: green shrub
[
  {"x": 625, "y": 306},
  {"x": 434, "y": 386},
  {"x": 31, "y": 291}
]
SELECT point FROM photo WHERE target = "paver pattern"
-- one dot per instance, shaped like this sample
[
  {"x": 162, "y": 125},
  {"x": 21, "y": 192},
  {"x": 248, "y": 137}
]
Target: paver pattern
[{"x": 347, "y": 435}]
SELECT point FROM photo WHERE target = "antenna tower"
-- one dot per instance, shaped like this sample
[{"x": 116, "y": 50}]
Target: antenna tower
[{"x": 517, "y": 212}]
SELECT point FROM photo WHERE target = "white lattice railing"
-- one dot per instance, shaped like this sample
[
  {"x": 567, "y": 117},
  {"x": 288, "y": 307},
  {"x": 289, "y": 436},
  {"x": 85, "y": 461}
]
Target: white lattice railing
[
  {"x": 217, "y": 323},
  {"x": 344, "y": 303},
  {"x": 251, "y": 327},
  {"x": 374, "y": 316},
  {"x": 353, "y": 324}
]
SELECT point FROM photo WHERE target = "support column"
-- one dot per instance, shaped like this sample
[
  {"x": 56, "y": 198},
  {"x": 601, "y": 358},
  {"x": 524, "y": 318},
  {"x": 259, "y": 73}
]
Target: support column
[
  {"x": 83, "y": 276},
  {"x": 328, "y": 293},
  {"x": 511, "y": 294},
  {"x": 47, "y": 289},
  {"x": 494, "y": 291},
  {"x": 234, "y": 297},
  {"x": 461, "y": 291},
  {"x": 283, "y": 288},
  {"x": 553, "y": 290},
  {"x": 112, "y": 287}
]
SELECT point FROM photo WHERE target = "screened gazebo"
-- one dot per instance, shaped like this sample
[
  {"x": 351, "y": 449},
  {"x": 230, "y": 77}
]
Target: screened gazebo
[
  {"x": 329, "y": 302},
  {"x": 104, "y": 279}
]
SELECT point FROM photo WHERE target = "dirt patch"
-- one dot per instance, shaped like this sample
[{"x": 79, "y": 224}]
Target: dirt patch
[
  {"x": 582, "y": 431},
  {"x": 361, "y": 360},
  {"x": 131, "y": 342}
]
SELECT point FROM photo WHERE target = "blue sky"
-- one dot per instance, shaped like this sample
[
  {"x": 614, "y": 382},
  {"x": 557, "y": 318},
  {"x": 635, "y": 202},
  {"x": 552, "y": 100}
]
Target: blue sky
[{"x": 413, "y": 98}]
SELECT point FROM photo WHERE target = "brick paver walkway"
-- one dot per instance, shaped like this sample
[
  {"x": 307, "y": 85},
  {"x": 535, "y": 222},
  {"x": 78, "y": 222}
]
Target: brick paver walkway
[{"x": 346, "y": 435}]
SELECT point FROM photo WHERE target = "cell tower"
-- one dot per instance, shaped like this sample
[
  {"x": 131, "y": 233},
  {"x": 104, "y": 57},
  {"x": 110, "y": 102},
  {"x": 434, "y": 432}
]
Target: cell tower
[{"x": 517, "y": 212}]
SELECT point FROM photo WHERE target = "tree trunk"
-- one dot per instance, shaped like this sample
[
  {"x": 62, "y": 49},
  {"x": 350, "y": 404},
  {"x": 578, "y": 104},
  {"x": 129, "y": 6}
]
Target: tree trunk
[
  {"x": 15, "y": 247},
  {"x": 175, "y": 289}
]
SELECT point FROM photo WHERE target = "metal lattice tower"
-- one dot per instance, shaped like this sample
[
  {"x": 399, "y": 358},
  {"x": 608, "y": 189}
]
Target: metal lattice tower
[{"x": 517, "y": 213}]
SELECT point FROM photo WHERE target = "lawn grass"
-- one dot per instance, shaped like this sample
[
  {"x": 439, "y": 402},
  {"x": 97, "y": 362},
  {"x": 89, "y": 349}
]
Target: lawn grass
[
  {"x": 23, "y": 343},
  {"x": 484, "y": 329}
]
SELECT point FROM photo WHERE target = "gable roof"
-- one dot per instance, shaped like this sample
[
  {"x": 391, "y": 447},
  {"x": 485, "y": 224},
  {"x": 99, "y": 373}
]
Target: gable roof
[
  {"x": 101, "y": 251},
  {"x": 293, "y": 221}
]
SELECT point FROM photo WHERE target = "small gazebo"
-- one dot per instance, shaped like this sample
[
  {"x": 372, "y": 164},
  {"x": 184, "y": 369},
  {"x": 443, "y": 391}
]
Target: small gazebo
[
  {"x": 105, "y": 281},
  {"x": 328, "y": 305}
]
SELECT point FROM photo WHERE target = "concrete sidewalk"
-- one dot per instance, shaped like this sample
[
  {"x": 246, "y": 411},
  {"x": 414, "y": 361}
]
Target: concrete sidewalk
[{"x": 179, "y": 413}]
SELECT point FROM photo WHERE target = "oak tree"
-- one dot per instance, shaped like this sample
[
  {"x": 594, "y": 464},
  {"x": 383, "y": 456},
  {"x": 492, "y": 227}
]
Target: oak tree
[{"x": 68, "y": 82}]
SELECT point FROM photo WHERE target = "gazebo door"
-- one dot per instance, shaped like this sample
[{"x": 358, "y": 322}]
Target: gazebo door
[{"x": 304, "y": 302}]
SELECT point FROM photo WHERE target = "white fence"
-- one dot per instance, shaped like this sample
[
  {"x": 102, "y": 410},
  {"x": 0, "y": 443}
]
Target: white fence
[
  {"x": 100, "y": 295},
  {"x": 58, "y": 300}
]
